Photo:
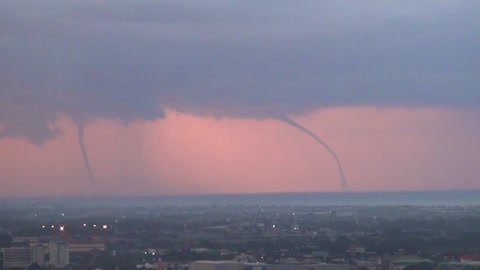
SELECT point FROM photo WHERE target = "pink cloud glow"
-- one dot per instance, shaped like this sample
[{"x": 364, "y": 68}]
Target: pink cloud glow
[{"x": 381, "y": 149}]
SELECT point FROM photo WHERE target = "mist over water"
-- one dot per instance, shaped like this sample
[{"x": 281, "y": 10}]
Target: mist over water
[{"x": 414, "y": 198}]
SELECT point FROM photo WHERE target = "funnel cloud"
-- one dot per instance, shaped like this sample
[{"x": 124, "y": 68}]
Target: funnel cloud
[
  {"x": 86, "y": 161},
  {"x": 125, "y": 61},
  {"x": 101, "y": 60},
  {"x": 289, "y": 121}
]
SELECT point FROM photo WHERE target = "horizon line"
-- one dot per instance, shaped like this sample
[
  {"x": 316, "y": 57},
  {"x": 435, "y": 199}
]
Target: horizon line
[{"x": 237, "y": 194}]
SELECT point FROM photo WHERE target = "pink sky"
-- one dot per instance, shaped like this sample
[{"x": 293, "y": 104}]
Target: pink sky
[{"x": 381, "y": 149}]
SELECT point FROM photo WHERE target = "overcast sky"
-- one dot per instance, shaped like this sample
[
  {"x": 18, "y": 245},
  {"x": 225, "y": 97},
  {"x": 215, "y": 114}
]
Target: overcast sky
[{"x": 70, "y": 63}]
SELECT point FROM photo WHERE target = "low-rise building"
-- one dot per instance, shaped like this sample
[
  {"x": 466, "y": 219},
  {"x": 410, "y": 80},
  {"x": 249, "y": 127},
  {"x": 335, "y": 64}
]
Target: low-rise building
[
  {"x": 226, "y": 265},
  {"x": 22, "y": 257}
]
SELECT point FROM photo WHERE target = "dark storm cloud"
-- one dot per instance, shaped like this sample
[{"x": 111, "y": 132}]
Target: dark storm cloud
[{"x": 131, "y": 60}]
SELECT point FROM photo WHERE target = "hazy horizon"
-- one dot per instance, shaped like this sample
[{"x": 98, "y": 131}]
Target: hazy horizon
[
  {"x": 393, "y": 198},
  {"x": 157, "y": 195}
]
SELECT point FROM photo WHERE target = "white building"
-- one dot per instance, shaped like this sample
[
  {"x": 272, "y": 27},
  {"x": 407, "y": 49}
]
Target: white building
[
  {"x": 59, "y": 254},
  {"x": 22, "y": 257},
  {"x": 233, "y": 265},
  {"x": 225, "y": 265},
  {"x": 300, "y": 266}
]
